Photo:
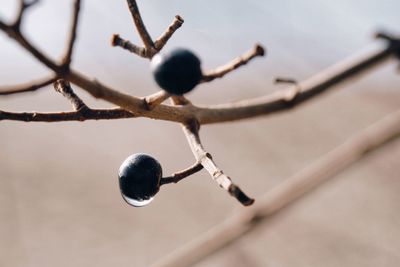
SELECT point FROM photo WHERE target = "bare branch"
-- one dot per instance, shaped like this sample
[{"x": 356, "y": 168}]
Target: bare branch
[
  {"x": 82, "y": 111},
  {"x": 72, "y": 34},
  {"x": 116, "y": 40},
  {"x": 324, "y": 168},
  {"x": 64, "y": 88},
  {"x": 137, "y": 19},
  {"x": 258, "y": 50},
  {"x": 80, "y": 115},
  {"x": 192, "y": 135},
  {"x": 269, "y": 104},
  {"x": 163, "y": 39},
  {"x": 151, "y": 101},
  {"x": 176, "y": 177},
  {"x": 28, "y": 87},
  {"x": 284, "y": 100},
  {"x": 16, "y": 35},
  {"x": 23, "y": 6}
]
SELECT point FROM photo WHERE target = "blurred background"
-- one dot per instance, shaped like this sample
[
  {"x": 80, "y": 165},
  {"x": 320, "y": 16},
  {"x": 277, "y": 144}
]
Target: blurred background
[{"x": 59, "y": 198}]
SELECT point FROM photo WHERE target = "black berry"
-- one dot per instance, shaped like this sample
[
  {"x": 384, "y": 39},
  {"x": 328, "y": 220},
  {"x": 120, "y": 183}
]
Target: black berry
[
  {"x": 139, "y": 179},
  {"x": 177, "y": 72}
]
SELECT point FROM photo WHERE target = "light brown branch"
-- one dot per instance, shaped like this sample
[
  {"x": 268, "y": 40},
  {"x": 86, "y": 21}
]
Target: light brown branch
[
  {"x": 82, "y": 111},
  {"x": 116, "y": 40},
  {"x": 277, "y": 102},
  {"x": 163, "y": 39},
  {"x": 72, "y": 34},
  {"x": 324, "y": 168},
  {"x": 151, "y": 101},
  {"x": 64, "y": 88},
  {"x": 209, "y": 76},
  {"x": 80, "y": 115},
  {"x": 137, "y": 19},
  {"x": 282, "y": 100},
  {"x": 178, "y": 176},
  {"x": 192, "y": 135},
  {"x": 287, "y": 99},
  {"x": 145, "y": 52},
  {"x": 15, "y": 34},
  {"x": 28, "y": 87}
]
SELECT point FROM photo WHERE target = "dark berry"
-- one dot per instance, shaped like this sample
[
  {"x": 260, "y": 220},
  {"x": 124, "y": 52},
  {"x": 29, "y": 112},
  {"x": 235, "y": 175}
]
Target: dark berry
[
  {"x": 177, "y": 72},
  {"x": 139, "y": 179}
]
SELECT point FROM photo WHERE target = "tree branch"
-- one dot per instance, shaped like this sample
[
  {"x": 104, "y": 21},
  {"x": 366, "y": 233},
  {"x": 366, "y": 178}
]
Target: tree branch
[
  {"x": 63, "y": 87},
  {"x": 116, "y": 40},
  {"x": 72, "y": 34},
  {"x": 277, "y": 102},
  {"x": 137, "y": 19},
  {"x": 176, "y": 177},
  {"x": 23, "y": 6},
  {"x": 282, "y": 100},
  {"x": 209, "y": 76},
  {"x": 151, "y": 101},
  {"x": 15, "y": 34},
  {"x": 192, "y": 135},
  {"x": 80, "y": 115},
  {"x": 82, "y": 111},
  {"x": 28, "y": 87},
  {"x": 163, "y": 39},
  {"x": 324, "y": 168},
  {"x": 295, "y": 95}
]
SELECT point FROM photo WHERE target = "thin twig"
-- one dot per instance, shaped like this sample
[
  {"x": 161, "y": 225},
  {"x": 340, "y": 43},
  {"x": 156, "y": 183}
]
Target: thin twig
[
  {"x": 285, "y": 80},
  {"x": 116, "y": 40},
  {"x": 28, "y": 87},
  {"x": 284, "y": 100},
  {"x": 219, "y": 72},
  {"x": 163, "y": 39},
  {"x": 64, "y": 88},
  {"x": 324, "y": 168},
  {"x": 16, "y": 35},
  {"x": 176, "y": 177},
  {"x": 191, "y": 130},
  {"x": 80, "y": 115},
  {"x": 72, "y": 34},
  {"x": 82, "y": 111},
  {"x": 137, "y": 19},
  {"x": 269, "y": 104},
  {"x": 23, "y": 6},
  {"x": 151, "y": 101}
]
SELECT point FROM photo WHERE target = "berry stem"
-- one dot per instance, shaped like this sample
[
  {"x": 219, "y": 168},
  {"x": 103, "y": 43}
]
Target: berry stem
[{"x": 176, "y": 177}]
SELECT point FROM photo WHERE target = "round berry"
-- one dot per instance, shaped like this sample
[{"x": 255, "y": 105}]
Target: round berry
[
  {"x": 139, "y": 179},
  {"x": 177, "y": 72}
]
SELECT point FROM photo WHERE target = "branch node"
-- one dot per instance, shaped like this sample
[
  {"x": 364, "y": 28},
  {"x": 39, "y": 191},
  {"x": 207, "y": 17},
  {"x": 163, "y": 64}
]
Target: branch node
[
  {"x": 221, "y": 71},
  {"x": 23, "y": 7},
  {"x": 151, "y": 101},
  {"x": 63, "y": 87}
]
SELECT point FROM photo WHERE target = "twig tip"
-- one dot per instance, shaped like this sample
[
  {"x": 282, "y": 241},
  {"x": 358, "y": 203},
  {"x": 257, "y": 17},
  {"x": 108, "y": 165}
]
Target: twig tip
[
  {"x": 115, "y": 39},
  {"x": 260, "y": 50},
  {"x": 180, "y": 19}
]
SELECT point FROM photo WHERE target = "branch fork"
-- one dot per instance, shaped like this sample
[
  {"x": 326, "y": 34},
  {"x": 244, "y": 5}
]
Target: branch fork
[{"x": 183, "y": 112}]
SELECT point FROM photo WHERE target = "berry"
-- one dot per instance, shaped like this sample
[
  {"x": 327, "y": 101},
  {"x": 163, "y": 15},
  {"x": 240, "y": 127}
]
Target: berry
[
  {"x": 139, "y": 179},
  {"x": 177, "y": 72}
]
